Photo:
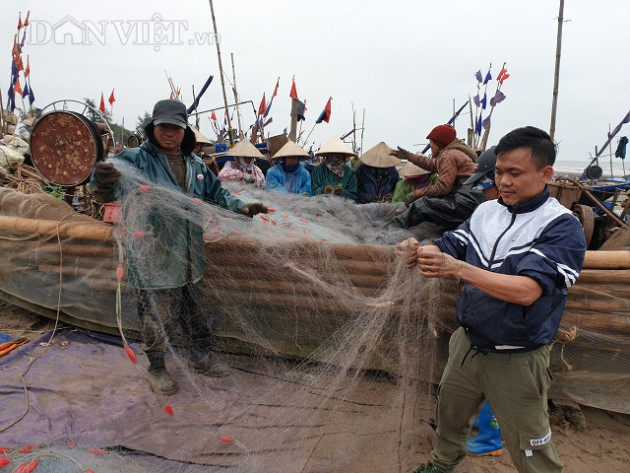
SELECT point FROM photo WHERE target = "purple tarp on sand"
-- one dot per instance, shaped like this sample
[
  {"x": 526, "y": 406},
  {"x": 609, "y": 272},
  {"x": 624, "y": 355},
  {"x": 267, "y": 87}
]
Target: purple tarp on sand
[{"x": 83, "y": 389}]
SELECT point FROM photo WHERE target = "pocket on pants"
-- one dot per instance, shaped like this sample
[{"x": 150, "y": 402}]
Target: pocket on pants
[{"x": 529, "y": 443}]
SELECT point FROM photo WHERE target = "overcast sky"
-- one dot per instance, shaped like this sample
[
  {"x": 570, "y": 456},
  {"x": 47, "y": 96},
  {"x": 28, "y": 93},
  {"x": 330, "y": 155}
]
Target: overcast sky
[{"x": 403, "y": 62}]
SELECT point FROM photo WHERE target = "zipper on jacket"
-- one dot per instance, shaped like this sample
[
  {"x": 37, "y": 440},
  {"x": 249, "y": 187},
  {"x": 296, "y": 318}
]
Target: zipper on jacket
[
  {"x": 496, "y": 243},
  {"x": 167, "y": 166},
  {"x": 188, "y": 179}
]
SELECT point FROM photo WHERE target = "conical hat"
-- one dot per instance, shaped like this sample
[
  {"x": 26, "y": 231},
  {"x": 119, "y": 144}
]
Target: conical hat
[
  {"x": 335, "y": 146},
  {"x": 411, "y": 170},
  {"x": 289, "y": 149},
  {"x": 245, "y": 149},
  {"x": 379, "y": 157},
  {"x": 199, "y": 137}
]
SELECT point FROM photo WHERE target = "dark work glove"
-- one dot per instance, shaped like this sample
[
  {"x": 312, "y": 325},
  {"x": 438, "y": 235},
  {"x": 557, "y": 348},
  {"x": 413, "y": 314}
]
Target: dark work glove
[
  {"x": 400, "y": 153},
  {"x": 254, "y": 208},
  {"x": 106, "y": 174}
]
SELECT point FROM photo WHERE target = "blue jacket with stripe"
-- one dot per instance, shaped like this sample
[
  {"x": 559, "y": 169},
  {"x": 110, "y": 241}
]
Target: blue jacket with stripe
[{"x": 539, "y": 239}]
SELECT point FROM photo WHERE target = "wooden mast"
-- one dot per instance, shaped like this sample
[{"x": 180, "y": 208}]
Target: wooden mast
[
  {"x": 225, "y": 102},
  {"x": 556, "y": 75},
  {"x": 294, "y": 113},
  {"x": 238, "y": 110},
  {"x": 362, "y": 129}
]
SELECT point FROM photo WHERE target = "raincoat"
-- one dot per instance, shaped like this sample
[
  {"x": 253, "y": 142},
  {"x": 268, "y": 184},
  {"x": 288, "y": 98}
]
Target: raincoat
[{"x": 165, "y": 248}]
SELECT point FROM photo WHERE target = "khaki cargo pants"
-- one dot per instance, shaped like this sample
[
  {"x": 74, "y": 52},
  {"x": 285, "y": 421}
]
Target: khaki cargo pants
[{"x": 515, "y": 385}]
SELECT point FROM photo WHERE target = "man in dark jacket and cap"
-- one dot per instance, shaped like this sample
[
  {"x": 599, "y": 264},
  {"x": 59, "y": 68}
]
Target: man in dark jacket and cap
[{"x": 166, "y": 262}]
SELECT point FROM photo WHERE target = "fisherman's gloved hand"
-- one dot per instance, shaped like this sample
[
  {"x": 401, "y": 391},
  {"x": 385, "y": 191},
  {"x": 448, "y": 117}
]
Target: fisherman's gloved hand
[
  {"x": 337, "y": 191},
  {"x": 412, "y": 196},
  {"x": 249, "y": 178},
  {"x": 328, "y": 189},
  {"x": 106, "y": 174},
  {"x": 255, "y": 208},
  {"x": 400, "y": 153}
]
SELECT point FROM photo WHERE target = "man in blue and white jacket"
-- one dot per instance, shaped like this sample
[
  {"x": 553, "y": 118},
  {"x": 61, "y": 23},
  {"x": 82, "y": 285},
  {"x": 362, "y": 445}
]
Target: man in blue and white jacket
[{"x": 516, "y": 257}]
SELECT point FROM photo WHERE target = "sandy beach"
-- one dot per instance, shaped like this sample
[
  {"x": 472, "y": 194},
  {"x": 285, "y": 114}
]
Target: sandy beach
[{"x": 601, "y": 446}]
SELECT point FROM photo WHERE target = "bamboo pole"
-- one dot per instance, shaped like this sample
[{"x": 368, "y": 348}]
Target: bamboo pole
[
  {"x": 78, "y": 271},
  {"x": 280, "y": 287},
  {"x": 64, "y": 249},
  {"x": 351, "y": 266},
  {"x": 280, "y": 302},
  {"x": 214, "y": 273},
  {"x": 97, "y": 231},
  {"x": 618, "y": 259},
  {"x": 599, "y": 290},
  {"x": 68, "y": 262},
  {"x": 294, "y": 112},
  {"x": 238, "y": 110},
  {"x": 599, "y": 321},
  {"x": 556, "y": 74},
  {"x": 225, "y": 102},
  {"x": 613, "y": 276},
  {"x": 616, "y": 304},
  {"x": 306, "y": 247}
]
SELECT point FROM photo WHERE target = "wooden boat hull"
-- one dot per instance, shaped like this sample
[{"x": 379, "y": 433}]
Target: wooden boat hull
[{"x": 289, "y": 308}]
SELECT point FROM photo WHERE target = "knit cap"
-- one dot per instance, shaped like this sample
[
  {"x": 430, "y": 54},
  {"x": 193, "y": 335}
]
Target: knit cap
[{"x": 443, "y": 134}]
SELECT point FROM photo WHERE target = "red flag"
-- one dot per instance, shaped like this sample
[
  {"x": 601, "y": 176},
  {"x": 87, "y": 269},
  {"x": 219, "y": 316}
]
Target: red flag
[
  {"x": 17, "y": 54},
  {"x": 275, "y": 91},
  {"x": 503, "y": 77},
  {"x": 213, "y": 117},
  {"x": 101, "y": 107},
  {"x": 262, "y": 106},
  {"x": 18, "y": 87},
  {"x": 27, "y": 71},
  {"x": 111, "y": 99},
  {"x": 19, "y": 65},
  {"x": 20, "y": 24},
  {"x": 503, "y": 71},
  {"x": 293, "y": 94},
  {"x": 325, "y": 115}
]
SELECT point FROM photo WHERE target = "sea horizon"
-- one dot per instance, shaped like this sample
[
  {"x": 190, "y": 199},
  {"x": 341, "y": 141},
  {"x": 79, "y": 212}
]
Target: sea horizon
[{"x": 576, "y": 166}]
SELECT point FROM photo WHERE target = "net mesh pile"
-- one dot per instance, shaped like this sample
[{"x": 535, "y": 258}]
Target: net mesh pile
[{"x": 334, "y": 346}]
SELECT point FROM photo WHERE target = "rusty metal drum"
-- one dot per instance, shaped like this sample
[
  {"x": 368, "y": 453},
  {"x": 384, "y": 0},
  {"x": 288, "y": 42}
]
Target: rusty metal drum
[{"x": 65, "y": 146}]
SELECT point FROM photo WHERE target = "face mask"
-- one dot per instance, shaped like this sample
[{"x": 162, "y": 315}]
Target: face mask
[
  {"x": 483, "y": 184},
  {"x": 240, "y": 160},
  {"x": 287, "y": 168},
  {"x": 380, "y": 173},
  {"x": 336, "y": 166}
]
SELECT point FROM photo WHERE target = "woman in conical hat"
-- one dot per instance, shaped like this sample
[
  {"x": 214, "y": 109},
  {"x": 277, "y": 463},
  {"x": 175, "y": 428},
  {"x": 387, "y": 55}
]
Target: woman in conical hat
[
  {"x": 413, "y": 177},
  {"x": 377, "y": 175},
  {"x": 243, "y": 169},
  {"x": 288, "y": 174},
  {"x": 333, "y": 176}
]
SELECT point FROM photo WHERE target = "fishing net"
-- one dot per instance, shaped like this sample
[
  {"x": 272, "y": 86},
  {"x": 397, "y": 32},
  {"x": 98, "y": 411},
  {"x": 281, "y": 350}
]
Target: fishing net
[{"x": 333, "y": 347}]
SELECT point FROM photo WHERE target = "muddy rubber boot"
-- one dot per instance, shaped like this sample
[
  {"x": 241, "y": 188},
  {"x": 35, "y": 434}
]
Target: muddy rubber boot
[
  {"x": 161, "y": 382},
  {"x": 208, "y": 364},
  {"x": 488, "y": 440}
]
